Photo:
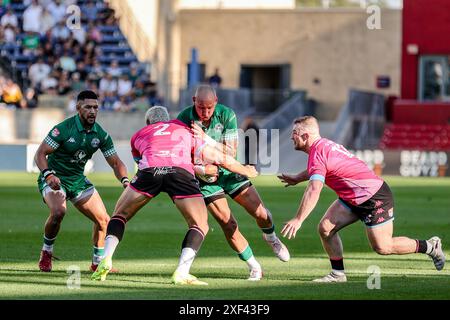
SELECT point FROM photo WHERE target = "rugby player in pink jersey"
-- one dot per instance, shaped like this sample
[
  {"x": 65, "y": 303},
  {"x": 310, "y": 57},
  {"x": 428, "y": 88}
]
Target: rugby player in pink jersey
[
  {"x": 163, "y": 150},
  {"x": 362, "y": 195}
]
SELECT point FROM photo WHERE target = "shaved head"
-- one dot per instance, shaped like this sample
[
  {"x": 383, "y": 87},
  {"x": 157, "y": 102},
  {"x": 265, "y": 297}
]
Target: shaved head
[
  {"x": 205, "y": 91},
  {"x": 205, "y": 101}
]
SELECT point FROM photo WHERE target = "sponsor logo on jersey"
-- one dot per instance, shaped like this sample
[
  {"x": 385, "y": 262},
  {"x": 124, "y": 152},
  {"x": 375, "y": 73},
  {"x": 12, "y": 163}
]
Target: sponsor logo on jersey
[
  {"x": 55, "y": 132},
  {"x": 218, "y": 128},
  {"x": 71, "y": 140},
  {"x": 95, "y": 142},
  {"x": 79, "y": 157}
]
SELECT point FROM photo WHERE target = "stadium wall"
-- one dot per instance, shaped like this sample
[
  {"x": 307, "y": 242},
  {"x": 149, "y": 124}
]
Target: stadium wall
[{"x": 334, "y": 46}]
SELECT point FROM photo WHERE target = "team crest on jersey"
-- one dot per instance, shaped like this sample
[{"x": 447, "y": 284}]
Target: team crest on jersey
[
  {"x": 95, "y": 143},
  {"x": 55, "y": 132}
]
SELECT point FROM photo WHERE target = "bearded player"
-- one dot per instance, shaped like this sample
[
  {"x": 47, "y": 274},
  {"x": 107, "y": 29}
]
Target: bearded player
[
  {"x": 61, "y": 158},
  {"x": 362, "y": 196}
]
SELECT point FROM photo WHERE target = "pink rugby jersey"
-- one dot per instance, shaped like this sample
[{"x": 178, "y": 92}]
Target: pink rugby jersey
[
  {"x": 342, "y": 171},
  {"x": 164, "y": 144}
]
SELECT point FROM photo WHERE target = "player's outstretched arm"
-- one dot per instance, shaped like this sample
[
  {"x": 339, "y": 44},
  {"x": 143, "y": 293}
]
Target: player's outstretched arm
[
  {"x": 309, "y": 202},
  {"x": 119, "y": 168},
  {"x": 229, "y": 147},
  {"x": 292, "y": 180},
  {"x": 212, "y": 155},
  {"x": 42, "y": 163}
]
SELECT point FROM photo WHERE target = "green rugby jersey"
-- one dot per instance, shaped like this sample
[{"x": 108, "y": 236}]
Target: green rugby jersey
[
  {"x": 74, "y": 146},
  {"x": 223, "y": 126}
]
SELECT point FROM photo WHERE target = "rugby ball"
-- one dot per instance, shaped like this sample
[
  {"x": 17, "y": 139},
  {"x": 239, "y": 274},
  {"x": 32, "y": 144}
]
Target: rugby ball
[{"x": 206, "y": 178}]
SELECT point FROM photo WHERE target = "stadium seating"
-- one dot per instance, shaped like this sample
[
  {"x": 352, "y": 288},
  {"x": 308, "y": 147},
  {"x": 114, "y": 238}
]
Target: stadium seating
[
  {"x": 113, "y": 46},
  {"x": 416, "y": 137}
]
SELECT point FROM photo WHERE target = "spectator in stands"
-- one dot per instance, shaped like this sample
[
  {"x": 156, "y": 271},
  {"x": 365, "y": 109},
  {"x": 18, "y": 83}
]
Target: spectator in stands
[
  {"x": 81, "y": 69},
  {"x": 79, "y": 34},
  {"x": 32, "y": 17},
  {"x": 89, "y": 53},
  {"x": 107, "y": 17},
  {"x": 122, "y": 105},
  {"x": 76, "y": 84},
  {"x": 108, "y": 101},
  {"x": 9, "y": 19},
  {"x": 140, "y": 104},
  {"x": 38, "y": 72},
  {"x": 94, "y": 33},
  {"x": 30, "y": 100},
  {"x": 114, "y": 69},
  {"x": 8, "y": 34},
  {"x": 97, "y": 71},
  {"x": 139, "y": 89},
  {"x": 58, "y": 10},
  {"x": 60, "y": 32},
  {"x": 49, "y": 51},
  {"x": 90, "y": 11},
  {"x": 215, "y": 80},
  {"x": 76, "y": 53},
  {"x": 11, "y": 95},
  {"x": 124, "y": 86},
  {"x": 133, "y": 74},
  {"x": 64, "y": 85},
  {"x": 67, "y": 62},
  {"x": 30, "y": 43},
  {"x": 47, "y": 22},
  {"x": 107, "y": 84},
  {"x": 50, "y": 84}
]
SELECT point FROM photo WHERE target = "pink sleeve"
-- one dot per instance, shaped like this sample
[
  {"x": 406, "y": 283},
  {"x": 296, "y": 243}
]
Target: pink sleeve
[
  {"x": 134, "y": 152},
  {"x": 317, "y": 164}
]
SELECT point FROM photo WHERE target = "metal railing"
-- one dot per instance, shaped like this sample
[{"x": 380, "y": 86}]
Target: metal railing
[{"x": 361, "y": 121}]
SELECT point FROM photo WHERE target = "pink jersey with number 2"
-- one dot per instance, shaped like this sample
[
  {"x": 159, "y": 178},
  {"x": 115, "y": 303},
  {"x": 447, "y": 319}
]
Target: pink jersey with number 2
[
  {"x": 342, "y": 171},
  {"x": 165, "y": 144}
]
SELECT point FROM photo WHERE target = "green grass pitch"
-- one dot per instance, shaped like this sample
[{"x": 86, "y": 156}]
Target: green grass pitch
[{"x": 149, "y": 252}]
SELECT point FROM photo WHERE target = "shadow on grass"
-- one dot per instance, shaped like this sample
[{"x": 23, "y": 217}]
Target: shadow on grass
[{"x": 393, "y": 288}]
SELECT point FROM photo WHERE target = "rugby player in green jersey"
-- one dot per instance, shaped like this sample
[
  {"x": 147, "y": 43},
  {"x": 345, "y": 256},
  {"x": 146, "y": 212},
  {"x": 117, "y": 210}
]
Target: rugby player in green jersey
[
  {"x": 61, "y": 158},
  {"x": 219, "y": 122}
]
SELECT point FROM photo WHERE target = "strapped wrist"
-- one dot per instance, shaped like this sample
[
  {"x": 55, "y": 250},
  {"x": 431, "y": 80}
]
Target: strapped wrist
[
  {"x": 124, "y": 180},
  {"x": 47, "y": 173}
]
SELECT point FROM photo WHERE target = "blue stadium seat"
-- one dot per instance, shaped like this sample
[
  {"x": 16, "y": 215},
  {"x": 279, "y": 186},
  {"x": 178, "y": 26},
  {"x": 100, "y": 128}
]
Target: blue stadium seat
[
  {"x": 108, "y": 49},
  {"x": 120, "y": 60},
  {"x": 109, "y": 29}
]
